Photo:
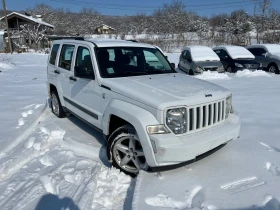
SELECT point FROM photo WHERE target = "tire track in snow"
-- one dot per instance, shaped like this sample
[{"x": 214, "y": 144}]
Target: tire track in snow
[
  {"x": 12, "y": 144},
  {"x": 41, "y": 149},
  {"x": 270, "y": 147}
]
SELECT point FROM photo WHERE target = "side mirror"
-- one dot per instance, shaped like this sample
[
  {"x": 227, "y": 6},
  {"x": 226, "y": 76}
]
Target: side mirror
[
  {"x": 224, "y": 57},
  {"x": 83, "y": 72},
  {"x": 264, "y": 54},
  {"x": 189, "y": 60},
  {"x": 173, "y": 65}
]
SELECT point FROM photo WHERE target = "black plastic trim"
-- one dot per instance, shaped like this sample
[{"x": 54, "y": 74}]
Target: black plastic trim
[{"x": 81, "y": 108}]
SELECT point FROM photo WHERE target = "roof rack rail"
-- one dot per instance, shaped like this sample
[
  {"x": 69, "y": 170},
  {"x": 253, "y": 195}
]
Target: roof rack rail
[{"x": 66, "y": 37}]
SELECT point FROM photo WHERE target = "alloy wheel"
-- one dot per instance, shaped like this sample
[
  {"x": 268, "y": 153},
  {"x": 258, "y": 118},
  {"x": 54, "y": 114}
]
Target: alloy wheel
[{"x": 129, "y": 155}]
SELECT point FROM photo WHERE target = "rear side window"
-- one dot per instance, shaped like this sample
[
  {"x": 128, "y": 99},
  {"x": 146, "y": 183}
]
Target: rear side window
[
  {"x": 54, "y": 53},
  {"x": 65, "y": 59}
]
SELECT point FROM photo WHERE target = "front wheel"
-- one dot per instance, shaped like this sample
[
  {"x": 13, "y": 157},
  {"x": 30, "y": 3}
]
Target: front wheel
[
  {"x": 191, "y": 72},
  {"x": 273, "y": 69},
  {"x": 125, "y": 151},
  {"x": 229, "y": 69}
]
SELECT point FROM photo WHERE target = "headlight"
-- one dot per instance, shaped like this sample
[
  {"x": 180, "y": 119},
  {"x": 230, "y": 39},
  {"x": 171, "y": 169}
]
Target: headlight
[
  {"x": 238, "y": 65},
  {"x": 198, "y": 69},
  {"x": 176, "y": 120},
  {"x": 221, "y": 68},
  {"x": 229, "y": 108},
  {"x": 157, "y": 129}
]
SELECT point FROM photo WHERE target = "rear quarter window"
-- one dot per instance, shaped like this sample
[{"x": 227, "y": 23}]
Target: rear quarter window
[{"x": 53, "y": 54}]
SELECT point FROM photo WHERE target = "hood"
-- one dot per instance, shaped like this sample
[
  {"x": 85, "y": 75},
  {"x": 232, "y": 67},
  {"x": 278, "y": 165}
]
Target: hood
[
  {"x": 165, "y": 90},
  {"x": 275, "y": 56}
]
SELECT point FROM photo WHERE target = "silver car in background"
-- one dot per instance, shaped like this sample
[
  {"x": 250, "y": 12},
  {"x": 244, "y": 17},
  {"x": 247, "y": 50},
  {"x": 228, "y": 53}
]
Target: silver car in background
[
  {"x": 197, "y": 59},
  {"x": 268, "y": 55}
]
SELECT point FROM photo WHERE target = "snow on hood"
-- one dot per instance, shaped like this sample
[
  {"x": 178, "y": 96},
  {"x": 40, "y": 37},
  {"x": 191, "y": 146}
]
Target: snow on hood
[
  {"x": 275, "y": 55},
  {"x": 164, "y": 90},
  {"x": 236, "y": 52},
  {"x": 202, "y": 53},
  {"x": 273, "y": 49}
]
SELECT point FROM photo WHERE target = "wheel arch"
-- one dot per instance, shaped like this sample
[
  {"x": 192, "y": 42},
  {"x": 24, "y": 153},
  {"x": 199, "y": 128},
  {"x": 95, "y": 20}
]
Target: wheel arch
[{"x": 122, "y": 112}]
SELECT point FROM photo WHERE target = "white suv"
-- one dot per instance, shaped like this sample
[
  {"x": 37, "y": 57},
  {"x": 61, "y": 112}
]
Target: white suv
[{"x": 150, "y": 115}]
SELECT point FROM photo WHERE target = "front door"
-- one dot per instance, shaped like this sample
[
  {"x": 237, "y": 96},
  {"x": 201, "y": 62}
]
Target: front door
[{"x": 86, "y": 94}]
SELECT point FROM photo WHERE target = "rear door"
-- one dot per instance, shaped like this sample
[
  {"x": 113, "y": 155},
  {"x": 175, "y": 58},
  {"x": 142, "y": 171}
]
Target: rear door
[
  {"x": 85, "y": 92},
  {"x": 64, "y": 66}
]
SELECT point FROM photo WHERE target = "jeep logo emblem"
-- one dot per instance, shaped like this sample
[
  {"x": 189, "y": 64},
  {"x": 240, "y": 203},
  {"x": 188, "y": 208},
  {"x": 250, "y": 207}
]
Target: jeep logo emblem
[{"x": 208, "y": 95}]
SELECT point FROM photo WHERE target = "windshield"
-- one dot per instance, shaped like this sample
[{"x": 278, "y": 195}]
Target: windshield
[{"x": 131, "y": 61}]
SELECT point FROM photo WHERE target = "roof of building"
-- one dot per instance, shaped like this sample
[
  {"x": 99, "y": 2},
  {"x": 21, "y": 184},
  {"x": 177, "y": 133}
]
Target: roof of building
[{"x": 30, "y": 18}]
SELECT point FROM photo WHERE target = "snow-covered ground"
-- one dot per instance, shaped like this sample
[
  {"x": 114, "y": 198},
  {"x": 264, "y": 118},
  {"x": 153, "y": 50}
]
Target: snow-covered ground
[{"x": 51, "y": 163}]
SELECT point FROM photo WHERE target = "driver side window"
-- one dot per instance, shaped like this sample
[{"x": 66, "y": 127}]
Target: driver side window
[{"x": 83, "y": 64}]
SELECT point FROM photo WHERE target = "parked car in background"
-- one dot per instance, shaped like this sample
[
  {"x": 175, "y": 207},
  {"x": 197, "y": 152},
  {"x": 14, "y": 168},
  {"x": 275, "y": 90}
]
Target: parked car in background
[
  {"x": 197, "y": 59},
  {"x": 235, "y": 58},
  {"x": 268, "y": 55},
  {"x": 150, "y": 115}
]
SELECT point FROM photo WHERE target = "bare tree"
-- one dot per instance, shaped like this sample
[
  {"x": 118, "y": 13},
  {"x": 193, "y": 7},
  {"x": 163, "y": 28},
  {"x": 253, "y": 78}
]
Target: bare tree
[{"x": 33, "y": 33}]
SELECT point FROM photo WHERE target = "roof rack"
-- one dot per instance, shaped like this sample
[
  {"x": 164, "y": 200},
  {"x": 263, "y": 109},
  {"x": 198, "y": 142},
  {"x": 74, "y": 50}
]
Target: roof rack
[{"x": 66, "y": 37}]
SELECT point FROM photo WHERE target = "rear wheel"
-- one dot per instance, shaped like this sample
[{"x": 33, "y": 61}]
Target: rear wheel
[
  {"x": 56, "y": 105},
  {"x": 273, "y": 69},
  {"x": 125, "y": 151}
]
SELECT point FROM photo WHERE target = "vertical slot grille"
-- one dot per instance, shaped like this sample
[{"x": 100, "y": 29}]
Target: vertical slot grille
[{"x": 204, "y": 116}]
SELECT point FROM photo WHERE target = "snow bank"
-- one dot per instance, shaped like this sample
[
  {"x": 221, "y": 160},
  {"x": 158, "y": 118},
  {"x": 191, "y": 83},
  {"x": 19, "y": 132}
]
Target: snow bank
[
  {"x": 248, "y": 73},
  {"x": 209, "y": 75}
]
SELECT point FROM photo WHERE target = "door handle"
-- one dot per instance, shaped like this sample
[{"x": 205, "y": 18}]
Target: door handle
[
  {"x": 56, "y": 71},
  {"x": 73, "y": 78}
]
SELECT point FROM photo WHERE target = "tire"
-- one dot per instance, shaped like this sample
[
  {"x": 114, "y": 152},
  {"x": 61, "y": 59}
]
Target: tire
[
  {"x": 191, "y": 72},
  {"x": 125, "y": 152},
  {"x": 56, "y": 105},
  {"x": 273, "y": 69},
  {"x": 229, "y": 69}
]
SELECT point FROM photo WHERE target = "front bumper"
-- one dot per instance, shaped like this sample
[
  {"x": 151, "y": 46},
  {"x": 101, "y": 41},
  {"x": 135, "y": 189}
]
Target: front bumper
[{"x": 170, "y": 149}]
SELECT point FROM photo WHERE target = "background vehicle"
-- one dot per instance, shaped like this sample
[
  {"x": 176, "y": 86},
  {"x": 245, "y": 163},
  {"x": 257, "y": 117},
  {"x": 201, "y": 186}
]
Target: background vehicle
[
  {"x": 196, "y": 59},
  {"x": 147, "y": 112},
  {"x": 235, "y": 58},
  {"x": 268, "y": 55}
]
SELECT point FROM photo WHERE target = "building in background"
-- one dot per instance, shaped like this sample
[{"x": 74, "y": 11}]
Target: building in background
[
  {"x": 104, "y": 29},
  {"x": 25, "y": 31}
]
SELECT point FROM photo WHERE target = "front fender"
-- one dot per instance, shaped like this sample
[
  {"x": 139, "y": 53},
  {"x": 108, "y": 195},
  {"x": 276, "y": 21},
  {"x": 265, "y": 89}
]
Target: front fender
[{"x": 139, "y": 118}]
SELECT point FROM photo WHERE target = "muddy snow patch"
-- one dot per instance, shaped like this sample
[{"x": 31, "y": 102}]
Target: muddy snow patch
[
  {"x": 208, "y": 75},
  {"x": 248, "y": 73}
]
